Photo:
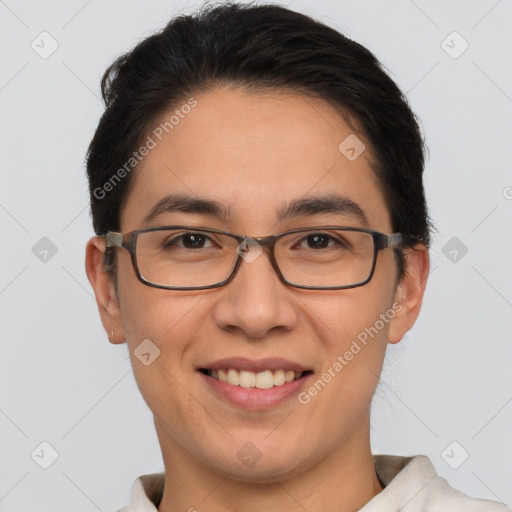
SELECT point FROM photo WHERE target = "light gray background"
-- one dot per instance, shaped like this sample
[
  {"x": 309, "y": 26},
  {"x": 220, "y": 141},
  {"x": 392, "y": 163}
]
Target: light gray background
[{"x": 63, "y": 383}]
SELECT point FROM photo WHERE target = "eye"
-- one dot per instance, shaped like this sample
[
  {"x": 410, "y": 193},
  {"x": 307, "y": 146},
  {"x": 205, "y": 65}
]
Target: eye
[
  {"x": 189, "y": 241},
  {"x": 320, "y": 241}
]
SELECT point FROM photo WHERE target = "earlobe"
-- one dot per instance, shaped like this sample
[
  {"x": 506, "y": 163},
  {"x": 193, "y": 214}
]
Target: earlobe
[
  {"x": 104, "y": 290},
  {"x": 410, "y": 291}
]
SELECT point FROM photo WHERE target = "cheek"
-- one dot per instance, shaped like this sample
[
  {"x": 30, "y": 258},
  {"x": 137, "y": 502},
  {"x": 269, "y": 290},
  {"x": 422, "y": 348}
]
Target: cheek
[
  {"x": 160, "y": 315},
  {"x": 173, "y": 324},
  {"x": 159, "y": 328},
  {"x": 354, "y": 330},
  {"x": 358, "y": 314}
]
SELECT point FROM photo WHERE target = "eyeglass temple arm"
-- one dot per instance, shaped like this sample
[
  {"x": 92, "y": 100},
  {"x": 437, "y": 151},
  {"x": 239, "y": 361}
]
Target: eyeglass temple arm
[
  {"x": 112, "y": 239},
  {"x": 392, "y": 240}
]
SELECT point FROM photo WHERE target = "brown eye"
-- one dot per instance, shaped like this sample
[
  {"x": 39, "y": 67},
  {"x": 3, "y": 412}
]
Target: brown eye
[
  {"x": 320, "y": 241},
  {"x": 188, "y": 241}
]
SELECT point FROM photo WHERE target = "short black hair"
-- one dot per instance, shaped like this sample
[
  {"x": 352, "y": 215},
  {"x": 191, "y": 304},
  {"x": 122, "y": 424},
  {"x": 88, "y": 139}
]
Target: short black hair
[{"x": 256, "y": 47}]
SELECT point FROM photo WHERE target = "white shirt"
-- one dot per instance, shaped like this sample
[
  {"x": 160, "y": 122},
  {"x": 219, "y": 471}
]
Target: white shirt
[{"x": 410, "y": 481}]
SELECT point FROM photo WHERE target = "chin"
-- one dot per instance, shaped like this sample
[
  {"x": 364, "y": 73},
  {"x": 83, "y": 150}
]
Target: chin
[{"x": 264, "y": 465}]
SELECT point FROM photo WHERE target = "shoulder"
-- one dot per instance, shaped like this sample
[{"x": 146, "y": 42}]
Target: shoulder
[
  {"x": 414, "y": 482},
  {"x": 146, "y": 493}
]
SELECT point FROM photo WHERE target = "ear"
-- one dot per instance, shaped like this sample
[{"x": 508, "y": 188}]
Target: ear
[
  {"x": 409, "y": 292},
  {"x": 104, "y": 290}
]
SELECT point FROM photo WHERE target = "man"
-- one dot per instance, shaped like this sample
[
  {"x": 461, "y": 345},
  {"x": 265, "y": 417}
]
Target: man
[{"x": 256, "y": 188}]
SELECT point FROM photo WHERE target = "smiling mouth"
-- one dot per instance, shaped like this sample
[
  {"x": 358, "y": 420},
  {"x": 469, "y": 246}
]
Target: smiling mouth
[{"x": 261, "y": 380}]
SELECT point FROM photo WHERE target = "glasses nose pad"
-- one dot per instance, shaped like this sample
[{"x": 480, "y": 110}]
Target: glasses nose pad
[{"x": 249, "y": 250}]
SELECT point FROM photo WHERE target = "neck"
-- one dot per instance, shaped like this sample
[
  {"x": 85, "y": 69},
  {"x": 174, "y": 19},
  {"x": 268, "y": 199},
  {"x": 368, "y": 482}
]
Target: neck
[{"x": 345, "y": 480}]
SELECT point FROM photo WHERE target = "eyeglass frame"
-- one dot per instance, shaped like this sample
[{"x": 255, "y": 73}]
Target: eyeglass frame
[{"x": 380, "y": 241}]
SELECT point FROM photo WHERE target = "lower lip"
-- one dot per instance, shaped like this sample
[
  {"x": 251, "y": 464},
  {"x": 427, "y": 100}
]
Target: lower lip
[{"x": 255, "y": 399}]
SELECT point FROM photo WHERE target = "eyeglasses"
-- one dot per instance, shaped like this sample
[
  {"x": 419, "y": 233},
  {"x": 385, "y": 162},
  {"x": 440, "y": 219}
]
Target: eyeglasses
[{"x": 191, "y": 258}]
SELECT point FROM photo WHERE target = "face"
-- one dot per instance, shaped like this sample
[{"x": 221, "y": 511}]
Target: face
[{"x": 255, "y": 154}]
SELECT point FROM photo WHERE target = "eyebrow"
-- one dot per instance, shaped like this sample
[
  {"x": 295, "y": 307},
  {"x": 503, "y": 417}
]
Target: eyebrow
[
  {"x": 308, "y": 206},
  {"x": 188, "y": 204}
]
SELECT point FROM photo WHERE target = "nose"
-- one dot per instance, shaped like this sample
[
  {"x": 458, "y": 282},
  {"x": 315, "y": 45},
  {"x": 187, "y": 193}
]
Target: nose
[{"x": 256, "y": 301}]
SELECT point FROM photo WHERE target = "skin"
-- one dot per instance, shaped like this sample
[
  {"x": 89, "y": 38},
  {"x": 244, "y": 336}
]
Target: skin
[{"x": 254, "y": 152}]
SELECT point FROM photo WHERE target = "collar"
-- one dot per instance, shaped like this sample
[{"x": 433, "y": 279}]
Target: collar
[{"x": 410, "y": 482}]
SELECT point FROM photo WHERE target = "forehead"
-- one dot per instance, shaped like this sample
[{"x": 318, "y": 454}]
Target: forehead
[{"x": 254, "y": 153}]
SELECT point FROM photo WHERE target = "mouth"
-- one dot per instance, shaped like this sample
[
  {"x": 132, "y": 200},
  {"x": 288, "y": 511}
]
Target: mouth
[
  {"x": 254, "y": 384},
  {"x": 266, "y": 379}
]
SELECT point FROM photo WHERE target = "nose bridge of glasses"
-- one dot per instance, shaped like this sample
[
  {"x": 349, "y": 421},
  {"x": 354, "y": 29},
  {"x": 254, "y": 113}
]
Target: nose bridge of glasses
[
  {"x": 264, "y": 241},
  {"x": 250, "y": 247}
]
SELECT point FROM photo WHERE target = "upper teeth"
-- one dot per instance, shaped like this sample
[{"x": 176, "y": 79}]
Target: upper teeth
[{"x": 261, "y": 380}]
